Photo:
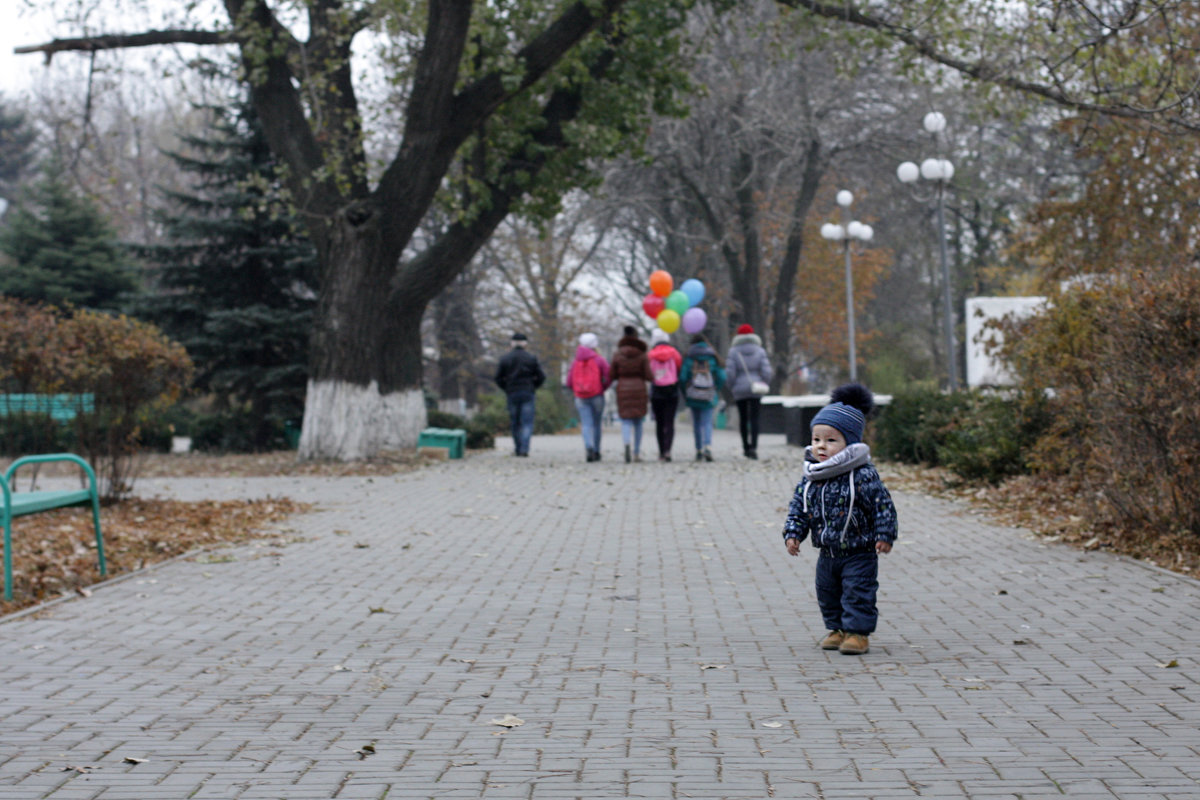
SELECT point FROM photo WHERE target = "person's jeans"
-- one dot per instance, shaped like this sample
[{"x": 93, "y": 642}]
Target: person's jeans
[
  {"x": 748, "y": 414},
  {"x": 632, "y": 429},
  {"x": 846, "y": 588},
  {"x": 591, "y": 414},
  {"x": 520, "y": 413},
  {"x": 702, "y": 422},
  {"x": 664, "y": 421}
]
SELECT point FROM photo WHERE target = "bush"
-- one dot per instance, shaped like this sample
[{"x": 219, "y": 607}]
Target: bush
[
  {"x": 993, "y": 437},
  {"x": 1123, "y": 362},
  {"x": 133, "y": 372},
  {"x": 239, "y": 431},
  {"x": 979, "y": 437},
  {"x": 913, "y": 427}
]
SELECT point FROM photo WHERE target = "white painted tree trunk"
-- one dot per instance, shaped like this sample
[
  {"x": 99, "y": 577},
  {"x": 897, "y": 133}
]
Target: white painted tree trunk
[{"x": 348, "y": 422}]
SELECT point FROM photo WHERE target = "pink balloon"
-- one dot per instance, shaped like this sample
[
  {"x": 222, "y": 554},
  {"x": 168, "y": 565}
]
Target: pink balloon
[{"x": 694, "y": 320}]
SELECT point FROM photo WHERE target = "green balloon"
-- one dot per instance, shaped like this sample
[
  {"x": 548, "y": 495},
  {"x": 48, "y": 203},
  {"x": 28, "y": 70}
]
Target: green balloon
[{"x": 678, "y": 302}]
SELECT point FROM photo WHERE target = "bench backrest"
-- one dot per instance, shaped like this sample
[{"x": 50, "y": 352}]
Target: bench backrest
[{"x": 59, "y": 407}]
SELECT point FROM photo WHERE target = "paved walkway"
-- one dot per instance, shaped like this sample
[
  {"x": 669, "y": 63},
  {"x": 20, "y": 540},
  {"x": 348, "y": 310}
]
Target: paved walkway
[{"x": 642, "y": 620}]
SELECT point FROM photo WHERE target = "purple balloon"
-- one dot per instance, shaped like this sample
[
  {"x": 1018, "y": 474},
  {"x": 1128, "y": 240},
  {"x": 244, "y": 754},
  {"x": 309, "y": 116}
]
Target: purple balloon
[{"x": 694, "y": 320}]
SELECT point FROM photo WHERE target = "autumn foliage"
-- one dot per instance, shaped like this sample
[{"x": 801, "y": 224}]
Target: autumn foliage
[
  {"x": 1121, "y": 359},
  {"x": 128, "y": 366}
]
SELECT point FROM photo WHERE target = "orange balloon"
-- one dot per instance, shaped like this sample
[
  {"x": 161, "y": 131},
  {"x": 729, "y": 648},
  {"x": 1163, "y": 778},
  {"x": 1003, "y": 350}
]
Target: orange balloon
[{"x": 661, "y": 283}]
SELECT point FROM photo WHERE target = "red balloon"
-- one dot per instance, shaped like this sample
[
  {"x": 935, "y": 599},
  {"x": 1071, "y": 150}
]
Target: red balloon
[{"x": 653, "y": 305}]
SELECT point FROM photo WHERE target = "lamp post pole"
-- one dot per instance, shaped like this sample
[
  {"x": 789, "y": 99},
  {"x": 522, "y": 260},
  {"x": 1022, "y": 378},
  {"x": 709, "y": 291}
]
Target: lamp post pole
[
  {"x": 851, "y": 229},
  {"x": 939, "y": 171},
  {"x": 951, "y": 359}
]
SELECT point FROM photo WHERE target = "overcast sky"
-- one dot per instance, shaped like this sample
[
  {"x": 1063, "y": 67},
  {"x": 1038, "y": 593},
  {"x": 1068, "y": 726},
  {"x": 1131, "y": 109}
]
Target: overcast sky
[{"x": 18, "y": 28}]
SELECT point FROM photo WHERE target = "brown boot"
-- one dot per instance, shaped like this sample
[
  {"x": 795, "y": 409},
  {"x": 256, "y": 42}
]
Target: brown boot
[
  {"x": 832, "y": 640},
  {"x": 855, "y": 644}
]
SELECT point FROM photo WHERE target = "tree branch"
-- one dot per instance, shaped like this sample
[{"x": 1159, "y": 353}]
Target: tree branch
[
  {"x": 983, "y": 70},
  {"x": 123, "y": 41}
]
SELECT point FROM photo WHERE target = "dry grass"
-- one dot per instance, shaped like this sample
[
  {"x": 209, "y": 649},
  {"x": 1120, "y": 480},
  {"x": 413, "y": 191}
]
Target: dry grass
[{"x": 1053, "y": 509}]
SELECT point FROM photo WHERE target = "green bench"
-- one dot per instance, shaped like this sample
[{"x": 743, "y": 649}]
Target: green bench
[
  {"x": 453, "y": 439},
  {"x": 18, "y": 504},
  {"x": 59, "y": 407}
]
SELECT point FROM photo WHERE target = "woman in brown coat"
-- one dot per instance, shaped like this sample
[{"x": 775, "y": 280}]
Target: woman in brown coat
[{"x": 630, "y": 374}]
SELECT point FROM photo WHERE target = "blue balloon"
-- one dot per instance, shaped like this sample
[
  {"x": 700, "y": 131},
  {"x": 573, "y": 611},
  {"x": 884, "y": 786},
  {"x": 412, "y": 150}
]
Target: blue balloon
[{"x": 694, "y": 290}]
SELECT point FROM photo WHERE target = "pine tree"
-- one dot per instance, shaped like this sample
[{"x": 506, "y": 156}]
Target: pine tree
[
  {"x": 236, "y": 283},
  {"x": 16, "y": 141},
  {"x": 61, "y": 250}
]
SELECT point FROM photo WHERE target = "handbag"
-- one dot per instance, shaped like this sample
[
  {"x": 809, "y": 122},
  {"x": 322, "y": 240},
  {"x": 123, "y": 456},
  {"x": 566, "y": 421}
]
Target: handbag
[{"x": 756, "y": 387}]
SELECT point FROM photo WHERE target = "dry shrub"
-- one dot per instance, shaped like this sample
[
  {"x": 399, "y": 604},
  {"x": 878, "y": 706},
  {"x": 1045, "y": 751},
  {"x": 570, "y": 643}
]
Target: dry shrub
[{"x": 1122, "y": 360}]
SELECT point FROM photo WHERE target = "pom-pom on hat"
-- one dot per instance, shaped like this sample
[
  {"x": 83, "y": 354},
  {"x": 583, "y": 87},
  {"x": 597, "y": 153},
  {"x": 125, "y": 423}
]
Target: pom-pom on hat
[
  {"x": 659, "y": 336},
  {"x": 744, "y": 328},
  {"x": 589, "y": 341},
  {"x": 847, "y": 412}
]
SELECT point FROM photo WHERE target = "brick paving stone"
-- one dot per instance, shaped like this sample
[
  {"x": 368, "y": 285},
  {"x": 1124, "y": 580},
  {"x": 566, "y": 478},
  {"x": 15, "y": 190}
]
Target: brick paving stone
[{"x": 642, "y": 619}]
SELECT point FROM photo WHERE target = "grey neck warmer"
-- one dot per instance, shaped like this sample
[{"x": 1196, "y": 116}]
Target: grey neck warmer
[{"x": 854, "y": 456}]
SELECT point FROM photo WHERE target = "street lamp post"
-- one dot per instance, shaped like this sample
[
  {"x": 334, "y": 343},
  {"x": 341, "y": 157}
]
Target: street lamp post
[
  {"x": 939, "y": 171},
  {"x": 851, "y": 229}
]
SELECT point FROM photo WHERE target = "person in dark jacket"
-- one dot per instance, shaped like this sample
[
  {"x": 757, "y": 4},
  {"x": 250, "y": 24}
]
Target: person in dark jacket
[
  {"x": 631, "y": 374},
  {"x": 842, "y": 504},
  {"x": 519, "y": 374},
  {"x": 747, "y": 365}
]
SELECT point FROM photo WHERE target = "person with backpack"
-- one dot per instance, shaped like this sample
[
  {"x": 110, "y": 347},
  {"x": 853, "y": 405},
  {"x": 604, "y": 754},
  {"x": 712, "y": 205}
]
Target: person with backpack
[
  {"x": 519, "y": 374},
  {"x": 588, "y": 377},
  {"x": 665, "y": 362},
  {"x": 702, "y": 378},
  {"x": 630, "y": 373},
  {"x": 749, "y": 379}
]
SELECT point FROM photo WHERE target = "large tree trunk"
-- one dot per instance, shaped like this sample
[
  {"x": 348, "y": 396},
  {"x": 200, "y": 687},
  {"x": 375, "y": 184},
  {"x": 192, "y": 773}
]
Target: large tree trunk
[{"x": 364, "y": 390}]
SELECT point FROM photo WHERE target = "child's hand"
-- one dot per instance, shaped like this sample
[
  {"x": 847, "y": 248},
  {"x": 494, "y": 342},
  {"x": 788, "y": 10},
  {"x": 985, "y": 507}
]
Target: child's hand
[
  {"x": 883, "y": 547},
  {"x": 793, "y": 547}
]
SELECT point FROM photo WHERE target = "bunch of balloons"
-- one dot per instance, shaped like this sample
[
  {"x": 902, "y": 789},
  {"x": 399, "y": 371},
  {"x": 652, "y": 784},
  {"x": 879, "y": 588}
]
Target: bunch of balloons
[{"x": 672, "y": 308}]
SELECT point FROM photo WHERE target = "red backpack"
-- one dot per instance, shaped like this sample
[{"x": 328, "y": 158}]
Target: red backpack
[{"x": 585, "y": 377}]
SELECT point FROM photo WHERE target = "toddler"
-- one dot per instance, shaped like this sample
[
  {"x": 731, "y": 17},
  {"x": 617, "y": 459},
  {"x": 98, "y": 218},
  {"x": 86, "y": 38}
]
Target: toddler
[{"x": 842, "y": 503}]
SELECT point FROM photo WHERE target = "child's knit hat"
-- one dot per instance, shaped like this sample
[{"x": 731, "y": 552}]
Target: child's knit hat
[
  {"x": 589, "y": 340},
  {"x": 658, "y": 336},
  {"x": 847, "y": 411}
]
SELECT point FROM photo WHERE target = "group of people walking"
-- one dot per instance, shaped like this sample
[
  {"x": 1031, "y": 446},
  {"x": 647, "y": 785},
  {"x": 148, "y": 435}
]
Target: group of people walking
[
  {"x": 654, "y": 377},
  {"x": 659, "y": 377}
]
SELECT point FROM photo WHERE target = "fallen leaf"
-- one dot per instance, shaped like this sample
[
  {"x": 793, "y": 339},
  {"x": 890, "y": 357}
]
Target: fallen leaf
[
  {"x": 365, "y": 750},
  {"x": 82, "y": 768},
  {"x": 83, "y": 591},
  {"x": 340, "y": 668},
  {"x": 712, "y": 666},
  {"x": 1169, "y": 664},
  {"x": 509, "y": 721},
  {"x": 132, "y": 760},
  {"x": 772, "y": 724}
]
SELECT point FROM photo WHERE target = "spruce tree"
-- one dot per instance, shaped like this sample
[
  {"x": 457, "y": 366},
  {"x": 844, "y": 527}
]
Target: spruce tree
[
  {"x": 61, "y": 250},
  {"x": 235, "y": 283}
]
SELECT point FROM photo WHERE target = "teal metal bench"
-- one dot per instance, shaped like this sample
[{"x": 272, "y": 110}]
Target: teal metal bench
[
  {"x": 18, "y": 504},
  {"x": 59, "y": 407},
  {"x": 453, "y": 439}
]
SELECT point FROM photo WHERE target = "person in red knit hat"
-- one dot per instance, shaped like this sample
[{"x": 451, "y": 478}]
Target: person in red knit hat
[{"x": 749, "y": 370}]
